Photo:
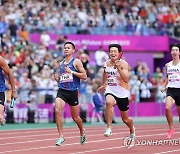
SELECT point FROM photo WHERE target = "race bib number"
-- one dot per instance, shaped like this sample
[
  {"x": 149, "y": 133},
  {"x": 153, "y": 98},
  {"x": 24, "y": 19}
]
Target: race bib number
[
  {"x": 66, "y": 77},
  {"x": 111, "y": 82}
]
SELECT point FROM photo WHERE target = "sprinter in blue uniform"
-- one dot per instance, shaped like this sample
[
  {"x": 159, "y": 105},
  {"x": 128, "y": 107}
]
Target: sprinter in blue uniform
[
  {"x": 70, "y": 72},
  {"x": 5, "y": 68}
]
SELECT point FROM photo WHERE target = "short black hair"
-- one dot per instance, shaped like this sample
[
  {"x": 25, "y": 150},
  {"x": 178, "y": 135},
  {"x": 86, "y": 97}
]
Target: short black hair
[
  {"x": 70, "y": 43},
  {"x": 115, "y": 45},
  {"x": 174, "y": 45}
]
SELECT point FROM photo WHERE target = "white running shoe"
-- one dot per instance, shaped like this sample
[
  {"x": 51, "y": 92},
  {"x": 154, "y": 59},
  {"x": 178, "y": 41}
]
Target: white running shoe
[
  {"x": 60, "y": 141},
  {"x": 108, "y": 132},
  {"x": 3, "y": 121},
  {"x": 133, "y": 135},
  {"x": 83, "y": 138}
]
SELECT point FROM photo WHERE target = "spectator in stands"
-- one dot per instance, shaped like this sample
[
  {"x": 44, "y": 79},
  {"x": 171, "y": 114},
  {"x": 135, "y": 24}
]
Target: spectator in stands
[
  {"x": 3, "y": 29},
  {"x": 142, "y": 18},
  {"x": 84, "y": 59},
  {"x": 98, "y": 105},
  {"x": 89, "y": 87},
  {"x": 145, "y": 87},
  {"x": 135, "y": 87},
  {"x": 45, "y": 39},
  {"x": 25, "y": 88},
  {"x": 13, "y": 28},
  {"x": 59, "y": 45},
  {"x": 24, "y": 35},
  {"x": 100, "y": 56},
  {"x": 82, "y": 95},
  {"x": 143, "y": 71},
  {"x": 153, "y": 90},
  {"x": 157, "y": 73},
  {"x": 177, "y": 28},
  {"x": 160, "y": 97},
  {"x": 138, "y": 64}
]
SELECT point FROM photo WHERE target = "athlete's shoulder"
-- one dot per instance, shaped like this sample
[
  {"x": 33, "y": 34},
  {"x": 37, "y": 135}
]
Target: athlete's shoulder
[
  {"x": 106, "y": 63},
  {"x": 76, "y": 60},
  {"x": 167, "y": 64},
  {"x": 61, "y": 62},
  {"x": 2, "y": 60},
  {"x": 124, "y": 62}
]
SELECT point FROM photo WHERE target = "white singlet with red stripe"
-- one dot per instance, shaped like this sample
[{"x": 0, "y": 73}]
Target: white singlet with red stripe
[
  {"x": 113, "y": 83},
  {"x": 173, "y": 73}
]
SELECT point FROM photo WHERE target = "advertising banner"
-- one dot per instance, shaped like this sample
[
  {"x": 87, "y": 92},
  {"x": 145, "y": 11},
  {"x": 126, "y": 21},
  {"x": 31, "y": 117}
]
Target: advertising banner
[{"x": 129, "y": 43}]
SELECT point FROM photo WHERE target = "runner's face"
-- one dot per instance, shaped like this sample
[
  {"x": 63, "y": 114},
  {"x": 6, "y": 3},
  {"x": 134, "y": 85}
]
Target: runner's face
[
  {"x": 68, "y": 49},
  {"x": 175, "y": 52},
  {"x": 113, "y": 53}
]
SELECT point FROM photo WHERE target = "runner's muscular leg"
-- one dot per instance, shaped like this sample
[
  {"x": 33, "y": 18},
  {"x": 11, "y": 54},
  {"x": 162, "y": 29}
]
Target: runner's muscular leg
[
  {"x": 169, "y": 103},
  {"x": 110, "y": 102},
  {"x": 178, "y": 110},
  {"x": 59, "y": 106},
  {"x": 76, "y": 118},
  {"x": 1, "y": 112},
  {"x": 127, "y": 120}
]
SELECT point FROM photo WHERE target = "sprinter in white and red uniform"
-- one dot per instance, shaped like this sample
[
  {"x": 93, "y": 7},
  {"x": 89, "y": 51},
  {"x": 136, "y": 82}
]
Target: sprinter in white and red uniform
[
  {"x": 115, "y": 83},
  {"x": 173, "y": 86}
]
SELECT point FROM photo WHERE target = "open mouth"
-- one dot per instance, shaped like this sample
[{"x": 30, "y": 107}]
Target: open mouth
[{"x": 113, "y": 56}]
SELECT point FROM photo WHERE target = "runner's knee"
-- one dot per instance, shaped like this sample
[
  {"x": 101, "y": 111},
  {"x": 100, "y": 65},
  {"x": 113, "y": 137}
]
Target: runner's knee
[
  {"x": 57, "y": 111},
  {"x": 109, "y": 104},
  {"x": 126, "y": 120},
  {"x": 168, "y": 108},
  {"x": 75, "y": 118}
]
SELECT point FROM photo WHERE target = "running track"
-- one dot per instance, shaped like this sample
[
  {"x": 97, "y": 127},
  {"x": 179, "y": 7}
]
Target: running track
[{"x": 42, "y": 141}]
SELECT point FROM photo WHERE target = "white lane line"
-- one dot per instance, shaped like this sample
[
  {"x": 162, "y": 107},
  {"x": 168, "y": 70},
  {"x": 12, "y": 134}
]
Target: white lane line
[
  {"x": 23, "y": 142},
  {"x": 72, "y": 127},
  {"x": 31, "y": 136},
  {"x": 40, "y": 130},
  {"x": 91, "y": 131},
  {"x": 26, "y": 136},
  {"x": 55, "y": 130},
  {"x": 31, "y": 132},
  {"x": 168, "y": 151},
  {"x": 97, "y": 141},
  {"x": 98, "y": 150}
]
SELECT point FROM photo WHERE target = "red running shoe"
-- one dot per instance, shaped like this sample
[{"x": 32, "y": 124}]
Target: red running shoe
[{"x": 170, "y": 133}]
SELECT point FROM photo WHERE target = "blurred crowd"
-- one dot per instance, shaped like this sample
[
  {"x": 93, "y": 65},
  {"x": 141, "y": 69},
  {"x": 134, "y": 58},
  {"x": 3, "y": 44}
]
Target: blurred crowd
[
  {"x": 116, "y": 17},
  {"x": 33, "y": 65}
]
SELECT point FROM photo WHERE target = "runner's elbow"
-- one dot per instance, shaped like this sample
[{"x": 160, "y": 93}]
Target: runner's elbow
[
  {"x": 126, "y": 80},
  {"x": 84, "y": 77}
]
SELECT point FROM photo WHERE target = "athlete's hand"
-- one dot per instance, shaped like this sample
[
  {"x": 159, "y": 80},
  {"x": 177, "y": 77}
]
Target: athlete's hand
[
  {"x": 56, "y": 77},
  {"x": 118, "y": 64},
  {"x": 14, "y": 94},
  {"x": 100, "y": 89},
  {"x": 163, "y": 90}
]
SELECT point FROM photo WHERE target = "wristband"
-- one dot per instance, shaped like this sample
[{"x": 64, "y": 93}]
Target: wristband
[{"x": 72, "y": 72}]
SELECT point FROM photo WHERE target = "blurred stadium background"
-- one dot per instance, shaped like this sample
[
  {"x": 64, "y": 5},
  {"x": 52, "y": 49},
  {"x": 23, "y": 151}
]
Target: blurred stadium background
[{"x": 32, "y": 34}]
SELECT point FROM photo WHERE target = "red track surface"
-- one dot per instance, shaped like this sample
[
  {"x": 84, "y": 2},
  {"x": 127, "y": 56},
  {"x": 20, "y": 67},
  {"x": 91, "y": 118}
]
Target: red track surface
[{"x": 42, "y": 141}]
